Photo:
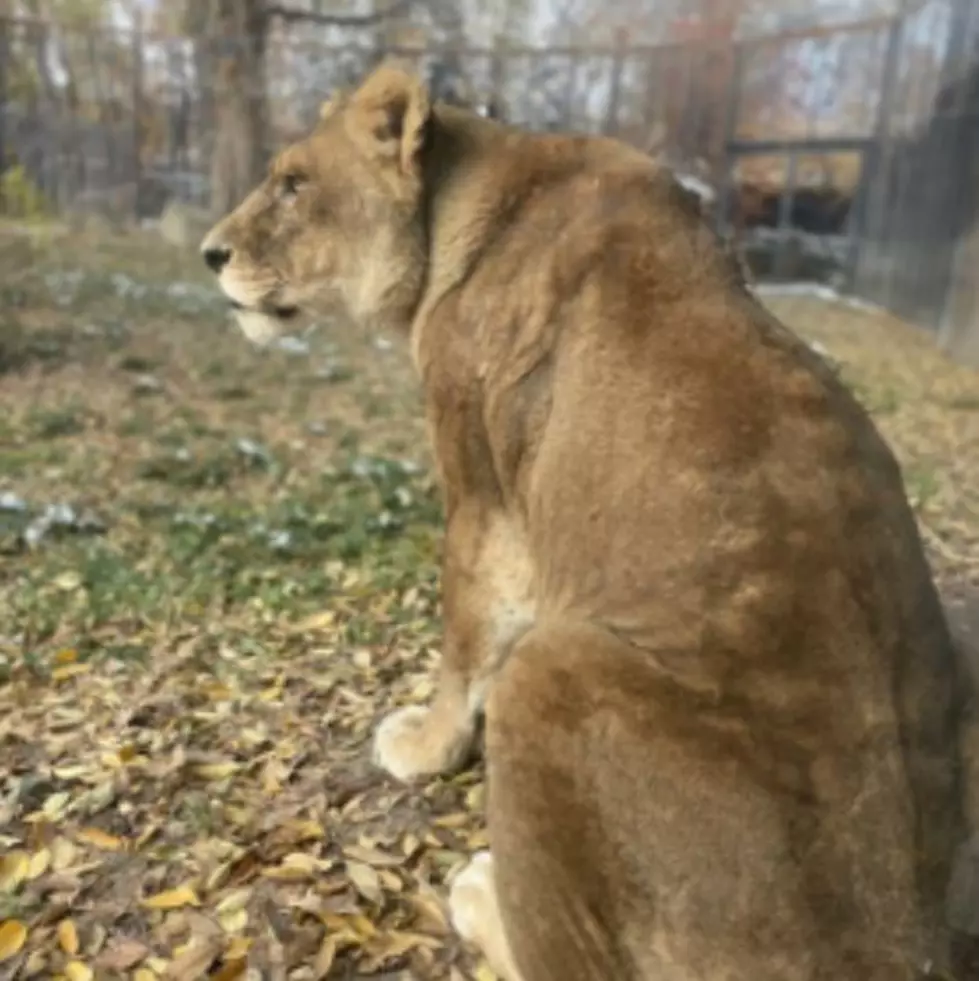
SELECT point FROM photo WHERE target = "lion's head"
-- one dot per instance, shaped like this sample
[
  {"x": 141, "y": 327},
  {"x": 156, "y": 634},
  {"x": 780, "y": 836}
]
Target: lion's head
[{"x": 336, "y": 227}]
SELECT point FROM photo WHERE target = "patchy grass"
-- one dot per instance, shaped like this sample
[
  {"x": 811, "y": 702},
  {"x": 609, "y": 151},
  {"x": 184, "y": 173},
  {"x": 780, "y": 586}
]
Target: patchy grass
[
  {"x": 926, "y": 406},
  {"x": 217, "y": 570}
]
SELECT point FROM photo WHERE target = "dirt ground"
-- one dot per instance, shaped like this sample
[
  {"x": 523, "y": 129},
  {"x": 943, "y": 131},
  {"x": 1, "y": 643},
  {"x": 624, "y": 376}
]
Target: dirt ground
[{"x": 218, "y": 568}]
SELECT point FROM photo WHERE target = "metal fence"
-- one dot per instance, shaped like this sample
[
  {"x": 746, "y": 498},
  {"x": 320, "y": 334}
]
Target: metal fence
[{"x": 848, "y": 154}]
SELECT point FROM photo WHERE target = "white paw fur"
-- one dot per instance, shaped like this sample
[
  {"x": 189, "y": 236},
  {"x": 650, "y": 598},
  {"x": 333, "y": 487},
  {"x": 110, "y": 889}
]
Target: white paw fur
[
  {"x": 393, "y": 739},
  {"x": 472, "y": 897}
]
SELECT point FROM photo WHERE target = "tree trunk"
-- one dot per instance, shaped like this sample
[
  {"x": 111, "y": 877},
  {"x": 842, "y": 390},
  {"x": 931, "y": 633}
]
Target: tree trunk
[{"x": 238, "y": 38}]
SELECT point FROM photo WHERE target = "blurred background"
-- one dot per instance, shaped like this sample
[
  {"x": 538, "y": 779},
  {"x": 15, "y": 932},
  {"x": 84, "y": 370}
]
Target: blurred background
[
  {"x": 840, "y": 138},
  {"x": 219, "y": 564}
]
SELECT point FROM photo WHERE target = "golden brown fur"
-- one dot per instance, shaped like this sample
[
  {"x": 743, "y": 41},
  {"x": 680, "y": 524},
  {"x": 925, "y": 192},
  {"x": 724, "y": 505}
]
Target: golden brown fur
[{"x": 680, "y": 572}]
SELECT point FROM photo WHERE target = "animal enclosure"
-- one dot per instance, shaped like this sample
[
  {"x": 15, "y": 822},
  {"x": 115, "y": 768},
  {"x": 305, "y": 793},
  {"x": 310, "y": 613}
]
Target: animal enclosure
[{"x": 844, "y": 154}]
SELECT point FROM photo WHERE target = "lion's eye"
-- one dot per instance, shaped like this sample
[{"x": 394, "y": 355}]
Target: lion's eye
[{"x": 291, "y": 183}]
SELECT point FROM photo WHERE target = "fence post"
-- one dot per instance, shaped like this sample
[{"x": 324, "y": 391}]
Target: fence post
[
  {"x": 785, "y": 241},
  {"x": 615, "y": 88},
  {"x": 137, "y": 56},
  {"x": 872, "y": 208},
  {"x": 498, "y": 74},
  {"x": 728, "y": 158}
]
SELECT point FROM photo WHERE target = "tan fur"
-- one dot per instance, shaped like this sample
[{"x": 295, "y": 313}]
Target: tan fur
[{"x": 680, "y": 569}]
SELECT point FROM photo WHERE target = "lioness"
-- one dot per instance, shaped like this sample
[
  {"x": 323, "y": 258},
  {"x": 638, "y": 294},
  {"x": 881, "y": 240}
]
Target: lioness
[{"x": 681, "y": 576}]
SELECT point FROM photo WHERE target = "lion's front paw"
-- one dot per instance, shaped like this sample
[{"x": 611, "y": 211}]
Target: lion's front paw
[
  {"x": 413, "y": 742},
  {"x": 472, "y": 899}
]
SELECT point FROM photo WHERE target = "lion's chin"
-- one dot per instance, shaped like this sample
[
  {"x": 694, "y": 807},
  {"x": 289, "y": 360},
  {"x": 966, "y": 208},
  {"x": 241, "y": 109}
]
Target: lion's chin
[
  {"x": 259, "y": 327},
  {"x": 263, "y": 326}
]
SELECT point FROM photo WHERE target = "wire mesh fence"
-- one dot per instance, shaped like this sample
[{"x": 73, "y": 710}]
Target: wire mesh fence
[{"x": 847, "y": 155}]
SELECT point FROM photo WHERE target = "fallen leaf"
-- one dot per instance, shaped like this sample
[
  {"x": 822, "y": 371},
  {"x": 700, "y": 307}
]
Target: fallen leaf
[
  {"x": 318, "y": 621},
  {"x": 238, "y": 949},
  {"x": 34, "y": 965},
  {"x": 39, "y": 863},
  {"x": 233, "y": 921},
  {"x": 122, "y": 954},
  {"x": 77, "y": 971},
  {"x": 300, "y": 831},
  {"x": 230, "y": 970},
  {"x": 13, "y": 936},
  {"x": 145, "y": 974},
  {"x": 13, "y": 870},
  {"x": 63, "y": 853},
  {"x": 67, "y": 581},
  {"x": 195, "y": 960},
  {"x": 101, "y": 839},
  {"x": 68, "y": 937},
  {"x": 172, "y": 899},
  {"x": 65, "y": 671},
  {"x": 371, "y": 856},
  {"x": 325, "y": 957},
  {"x": 366, "y": 881},
  {"x": 96, "y": 939},
  {"x": 53, "y": 808},
  {"x": 217, "y": 771}
]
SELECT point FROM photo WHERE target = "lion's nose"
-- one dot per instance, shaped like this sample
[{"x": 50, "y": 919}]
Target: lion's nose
[{"x": 217, "y": 258}]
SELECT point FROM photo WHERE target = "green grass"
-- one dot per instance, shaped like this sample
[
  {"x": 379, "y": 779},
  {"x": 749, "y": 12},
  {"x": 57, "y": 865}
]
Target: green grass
[{"x": 194, "y": 663}]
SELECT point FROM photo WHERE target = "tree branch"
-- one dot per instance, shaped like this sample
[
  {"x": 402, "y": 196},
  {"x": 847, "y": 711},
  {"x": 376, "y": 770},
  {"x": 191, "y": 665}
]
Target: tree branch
[{"x": 291, "y": 15}]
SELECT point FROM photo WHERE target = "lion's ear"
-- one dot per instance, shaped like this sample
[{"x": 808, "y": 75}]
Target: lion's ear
[{"x": 388, "y": 115}]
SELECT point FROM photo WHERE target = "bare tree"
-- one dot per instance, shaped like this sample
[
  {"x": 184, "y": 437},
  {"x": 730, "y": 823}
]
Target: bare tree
[{"x": 236, "y": 31}]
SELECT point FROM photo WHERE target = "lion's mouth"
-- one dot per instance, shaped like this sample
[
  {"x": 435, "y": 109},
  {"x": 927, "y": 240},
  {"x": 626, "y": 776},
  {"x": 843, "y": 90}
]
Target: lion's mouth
[{"x": 279, "y": 312}]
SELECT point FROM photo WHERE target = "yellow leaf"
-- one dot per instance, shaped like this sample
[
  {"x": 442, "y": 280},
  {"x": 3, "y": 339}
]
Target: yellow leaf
[
  {"x": 457, "y": 820},
  {"x": 300, "y": 860},
  {"x": 485, "y": 973},
  {"x": 101, "y": 839},
  {"x": 68, "y": 581},
  {"x": 235, "y": 900},
  {"x": 67, "y": 655},
  {"x": 390, "y": 881},
  {"x": 318, "y": 621},
  {"x": 54, "y": 806},
  {"x": 13, "y": 936},
  {"x": 68, "y": 937},
  {"x": 324, "y": 958},
  {"x": 172, "y": 899},
  {"x": 148, "y": 832},
  {"x": 13, "y": 870},
  {"x": 145, "y": 974},
  {"x": 65, "y": 671},
  {"x": 234, "y": 921},
  {"x": 365, "y": 880},
  {"x": 217, "y": 692},
  {"x": 230, "y": 970},
  {"x": 35, "y": 963},
  {"x": 238, "y": 949},
  {"x": 39, "y": 863},
  {"x": 302, "y": 830},
  {"x": 62, "y": 854},
  {"x": 216, "y": 771},
  {"x": 77, "y": 971},
  {"x": 362, "y": 925},
  {"x": 195, "y": 959}
]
